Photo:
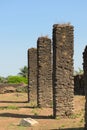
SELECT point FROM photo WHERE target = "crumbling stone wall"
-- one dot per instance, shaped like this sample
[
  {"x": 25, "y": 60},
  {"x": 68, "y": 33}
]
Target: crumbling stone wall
[
  {"x": 44, "y": 72},
  {"x": 79, "y": 84},
  {"x": 63, "y": 85},
  {"x": 85, "y": 82},
  {"x": 32, "y": 74}
]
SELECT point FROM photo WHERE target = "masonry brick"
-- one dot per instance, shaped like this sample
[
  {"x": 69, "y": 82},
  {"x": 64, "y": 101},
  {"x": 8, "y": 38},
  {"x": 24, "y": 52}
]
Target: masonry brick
[
  {"x": 85, "y": 82},
  {"x": 32, "y": 74},
  {"x": 63, "y": 84},
  {"x": 44, "y": 73}
]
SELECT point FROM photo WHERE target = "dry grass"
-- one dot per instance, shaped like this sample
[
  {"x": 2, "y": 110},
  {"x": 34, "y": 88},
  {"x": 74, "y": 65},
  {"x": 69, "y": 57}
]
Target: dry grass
[{"x": 14, "y": 107}]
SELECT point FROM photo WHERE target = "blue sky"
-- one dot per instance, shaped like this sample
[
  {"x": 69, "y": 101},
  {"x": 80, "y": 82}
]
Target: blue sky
[{"x": 23, "y": 21}]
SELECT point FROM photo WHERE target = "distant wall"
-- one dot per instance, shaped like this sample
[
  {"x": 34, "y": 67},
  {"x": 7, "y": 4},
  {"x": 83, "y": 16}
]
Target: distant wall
[
  {"x": 11, "y": 88},
  {"x": 79, "y": 84}
]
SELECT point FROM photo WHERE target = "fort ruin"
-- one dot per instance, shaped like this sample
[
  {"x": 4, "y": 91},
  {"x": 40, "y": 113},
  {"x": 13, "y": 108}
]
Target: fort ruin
[
  {"x": 63, "y": 85},
  {"x": 32, "y": 75},
  {"x": 44, "y": 72},
  {"x": 85, "y": 82},
  {"x": 54, "y": 84}
]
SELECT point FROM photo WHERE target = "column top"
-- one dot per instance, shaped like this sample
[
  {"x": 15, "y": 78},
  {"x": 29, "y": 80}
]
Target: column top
[
  {"x": 32, "y": 49},
  {"x": 43, "y": 38},
  {"x": 85, "y": 51},
  {"x": 62, "y": 25}
]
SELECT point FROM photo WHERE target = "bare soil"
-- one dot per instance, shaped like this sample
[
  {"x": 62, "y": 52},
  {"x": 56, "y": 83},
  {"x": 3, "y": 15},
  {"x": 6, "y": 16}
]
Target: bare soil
[{"x": 14, "y": 107}]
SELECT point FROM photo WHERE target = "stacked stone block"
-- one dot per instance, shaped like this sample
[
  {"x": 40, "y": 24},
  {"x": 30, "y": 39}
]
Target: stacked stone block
[
  {"x": 44, "y": 72},
  {"x": 85, "y": 82},
  {"x": 79, "y": 84},
  {"x": 63, "y": 84},
  {"x": 32, "y": 75}
]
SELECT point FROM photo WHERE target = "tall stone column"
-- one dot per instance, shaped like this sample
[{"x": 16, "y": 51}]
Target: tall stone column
[
  {"x": 63, "y": 84},
  {"x": 32, "y": 75},
  {"x": 85, "y": 82},
  {"x": 44, "y": 73}
]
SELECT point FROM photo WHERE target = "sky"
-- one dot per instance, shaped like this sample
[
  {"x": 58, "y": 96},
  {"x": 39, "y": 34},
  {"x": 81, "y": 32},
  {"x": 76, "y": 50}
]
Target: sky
[{"x": 23, "y": 21}]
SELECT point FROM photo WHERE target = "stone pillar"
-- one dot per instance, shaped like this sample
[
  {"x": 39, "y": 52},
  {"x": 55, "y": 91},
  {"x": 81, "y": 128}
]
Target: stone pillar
[
  {"x": 63, "y": 84},
  {"x": 32, "y": 75},
  {"x": 44, "y": 72},
  {"x": 85, "y": 82}
]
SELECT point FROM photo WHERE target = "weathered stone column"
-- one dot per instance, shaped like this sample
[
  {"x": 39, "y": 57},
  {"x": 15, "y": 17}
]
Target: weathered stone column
[
  {"x": 44, "y": 73},
  {"x": 85, "y": 82},
  {"x": 32, "y": 75},
  {"x": 63, "y": 84}
]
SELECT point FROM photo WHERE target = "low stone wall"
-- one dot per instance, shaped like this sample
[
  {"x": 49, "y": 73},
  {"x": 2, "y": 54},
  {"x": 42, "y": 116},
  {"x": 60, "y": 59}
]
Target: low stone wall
[{"x": 11, "y": 88}]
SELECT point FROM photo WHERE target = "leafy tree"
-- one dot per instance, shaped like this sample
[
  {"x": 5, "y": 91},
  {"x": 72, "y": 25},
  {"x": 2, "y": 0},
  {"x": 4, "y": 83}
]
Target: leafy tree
[
  {"x": 16, "y": 79},
  {"x": 24, "y": 72}
]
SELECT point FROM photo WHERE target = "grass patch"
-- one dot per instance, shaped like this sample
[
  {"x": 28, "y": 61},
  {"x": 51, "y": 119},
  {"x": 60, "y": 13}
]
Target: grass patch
[
  {"x": 33, "y": 104},
  {"x": 74, "y": 116},
  {"x": 35, "y": 112},
  {"x": 12, "y": 107}
]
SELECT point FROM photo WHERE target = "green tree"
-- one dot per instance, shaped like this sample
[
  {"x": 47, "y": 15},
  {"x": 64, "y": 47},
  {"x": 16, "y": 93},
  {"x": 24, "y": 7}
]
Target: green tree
[
  {"x": 24, "y": 72},
  {"x": 16, "y": 79}
]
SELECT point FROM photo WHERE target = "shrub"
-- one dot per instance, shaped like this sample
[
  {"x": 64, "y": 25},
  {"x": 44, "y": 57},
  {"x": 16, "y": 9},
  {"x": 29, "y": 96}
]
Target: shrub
[{"x": 16, "y": 79}]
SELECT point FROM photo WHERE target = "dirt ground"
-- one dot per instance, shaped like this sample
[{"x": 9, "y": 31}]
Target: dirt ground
[{"x": 14, "y": 107}]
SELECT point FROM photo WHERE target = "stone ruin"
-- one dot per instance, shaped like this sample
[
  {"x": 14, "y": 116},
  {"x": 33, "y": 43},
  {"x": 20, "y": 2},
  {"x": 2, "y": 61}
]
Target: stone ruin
[
  {"x": 79, "y": 84},
  {"x": 85, "y": 82},
  {"x": 60, "y": 88},
  {"x": 63, "y": 85},
  {"x": 32, "y": 74},
  {"x": 44, "y": 72}
]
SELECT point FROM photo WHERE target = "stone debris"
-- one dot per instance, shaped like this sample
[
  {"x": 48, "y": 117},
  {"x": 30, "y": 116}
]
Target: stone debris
[{"x": 28, "y": 122}]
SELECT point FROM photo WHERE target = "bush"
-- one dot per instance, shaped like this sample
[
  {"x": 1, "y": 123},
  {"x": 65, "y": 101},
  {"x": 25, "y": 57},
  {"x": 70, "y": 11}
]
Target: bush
[
  {"x": 3, "y": 80},
  {"x": 16, "y": 79}
]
